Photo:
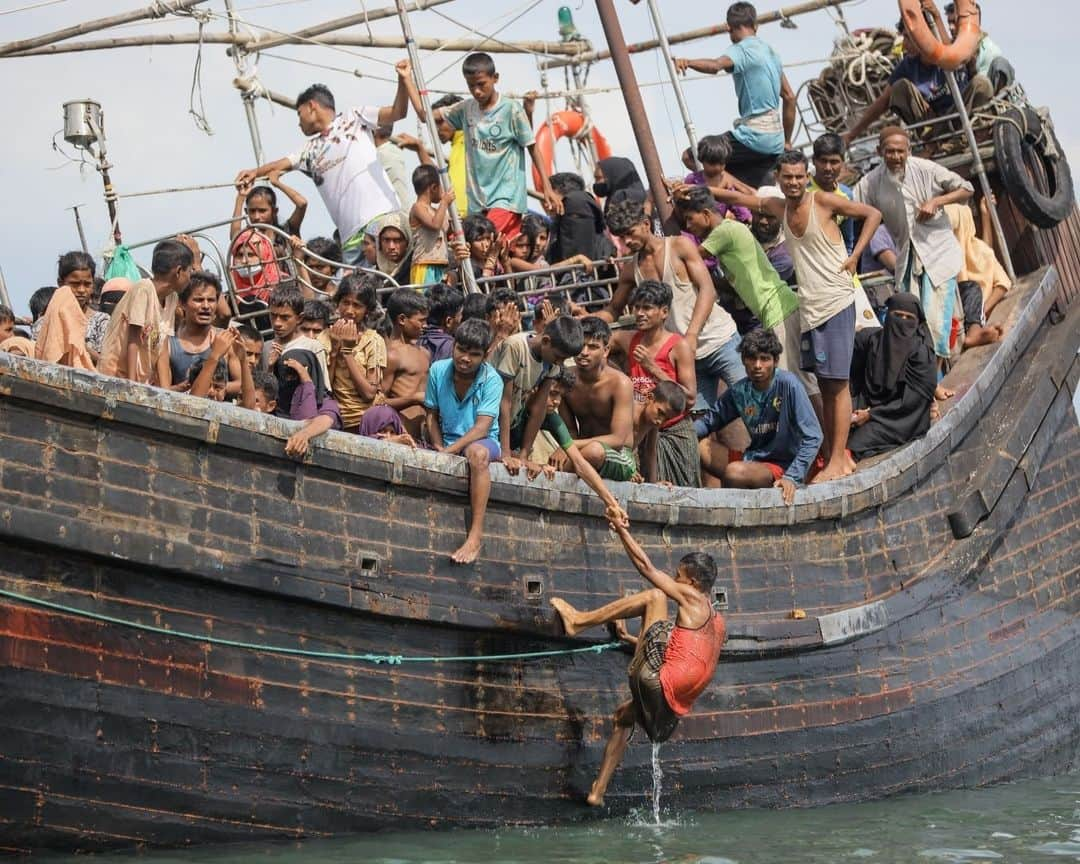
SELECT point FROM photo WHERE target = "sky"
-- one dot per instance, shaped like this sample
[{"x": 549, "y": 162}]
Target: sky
[{"x": 154, "y": 143}]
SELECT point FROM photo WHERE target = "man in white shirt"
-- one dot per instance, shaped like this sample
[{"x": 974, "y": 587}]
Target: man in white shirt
[{"x": 342, "y": 161}]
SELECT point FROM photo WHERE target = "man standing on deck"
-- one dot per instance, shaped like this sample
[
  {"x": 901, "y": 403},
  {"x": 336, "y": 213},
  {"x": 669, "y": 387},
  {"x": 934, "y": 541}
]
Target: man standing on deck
[
  {"x": 827, "y": 289},
  {"x": 761, "y": 133},
  {"x": 342, "y": 161},
  {"x": 673, "y": 661}
]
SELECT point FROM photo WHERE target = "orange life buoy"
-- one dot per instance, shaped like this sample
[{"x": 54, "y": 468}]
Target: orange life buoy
[
  {"x": 932, "y": 50},
  {"x": 564, "y": 124}
]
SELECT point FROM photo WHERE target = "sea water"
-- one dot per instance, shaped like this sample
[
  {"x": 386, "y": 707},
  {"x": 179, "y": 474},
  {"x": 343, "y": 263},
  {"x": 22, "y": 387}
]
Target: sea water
[{"x": 1029, "y": 822}]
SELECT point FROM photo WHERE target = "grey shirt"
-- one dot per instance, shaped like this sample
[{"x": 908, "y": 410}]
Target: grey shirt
[{"x": 899, "y": 199}]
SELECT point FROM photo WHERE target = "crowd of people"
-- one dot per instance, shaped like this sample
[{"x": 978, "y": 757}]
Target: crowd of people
[{"x": 754, "y": 357}]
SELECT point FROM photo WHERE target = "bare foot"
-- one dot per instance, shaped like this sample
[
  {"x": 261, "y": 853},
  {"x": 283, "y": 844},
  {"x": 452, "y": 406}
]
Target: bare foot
[
  {"x": 595, "y": 799},
  {"x": 942, "y": 394},
  {"x": 988, "y": 335},
  {"x": 568, "y": 614},
  {"x": 467, "y": 552},
  {"x": 849, "y": 462},
  {"x": 834, "y": 471}
]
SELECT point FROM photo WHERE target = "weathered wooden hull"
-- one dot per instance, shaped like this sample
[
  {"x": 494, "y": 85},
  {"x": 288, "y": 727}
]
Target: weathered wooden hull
[{"x": 940, "y": 587}]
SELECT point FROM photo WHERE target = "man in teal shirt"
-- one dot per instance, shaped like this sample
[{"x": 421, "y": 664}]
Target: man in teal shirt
[
  {"x": 762, "y": 132},
  {"x": 750, "y": 274}
]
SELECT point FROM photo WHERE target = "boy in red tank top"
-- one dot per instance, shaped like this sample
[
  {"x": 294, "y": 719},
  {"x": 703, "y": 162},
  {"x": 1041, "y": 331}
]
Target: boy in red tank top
[{"x": 673, "y": 661}]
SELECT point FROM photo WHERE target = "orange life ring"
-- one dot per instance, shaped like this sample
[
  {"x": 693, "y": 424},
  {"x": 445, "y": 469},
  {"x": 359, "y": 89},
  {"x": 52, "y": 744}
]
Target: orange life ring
[
  {"x": 932, "y": 50},
  {"x": 564, "y": 124}
]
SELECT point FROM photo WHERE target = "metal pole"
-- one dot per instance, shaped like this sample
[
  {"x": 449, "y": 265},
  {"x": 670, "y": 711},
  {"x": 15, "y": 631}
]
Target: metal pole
[
  {"x": 238, "y": 55},
  {"x": 635, "y": 107},
  {"x": 583, "y": 107},
  {"x": 433, "y": 133},
  {"x": 103, "y": 167},
  {"x": 665, "y": 48},
  {"x": 79, "y": 226},
  {"x": 977, "y": 166}
]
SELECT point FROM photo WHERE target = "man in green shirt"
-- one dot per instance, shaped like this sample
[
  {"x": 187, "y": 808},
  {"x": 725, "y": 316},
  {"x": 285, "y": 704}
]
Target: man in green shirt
[{"x": 750, "y": 274}]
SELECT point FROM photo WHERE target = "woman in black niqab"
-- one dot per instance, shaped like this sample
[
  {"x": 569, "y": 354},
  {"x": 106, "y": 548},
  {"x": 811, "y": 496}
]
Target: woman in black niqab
[
  {"x": 893, "y": 376},
  {"x": 620, "y": 182}
]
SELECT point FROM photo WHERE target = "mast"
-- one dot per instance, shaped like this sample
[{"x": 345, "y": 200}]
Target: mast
[
  {"x": 469, "y": 277},
  {"x": 673, "y": 73},
  {"x": 635, "y": 107}
]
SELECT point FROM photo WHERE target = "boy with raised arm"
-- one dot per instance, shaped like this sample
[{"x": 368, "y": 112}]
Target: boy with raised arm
[
  {"x": 763, "y": 130},
  {"x": 497, "y": 134},
  {"x": 673, "y": 661},
  {"x": 341, "y": 159},
  {"x": 825, "y": 270}
]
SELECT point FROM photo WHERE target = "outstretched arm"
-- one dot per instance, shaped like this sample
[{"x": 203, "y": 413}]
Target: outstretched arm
[
  {"x": 645, "y": 567},
  {"x": 249, "y": 175},
  {"x": 709, "y": 66}
]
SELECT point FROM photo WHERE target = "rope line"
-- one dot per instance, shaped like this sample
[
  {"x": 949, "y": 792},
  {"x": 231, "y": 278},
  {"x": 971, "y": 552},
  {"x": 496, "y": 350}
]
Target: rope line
[{"x": 377, "y": 659}]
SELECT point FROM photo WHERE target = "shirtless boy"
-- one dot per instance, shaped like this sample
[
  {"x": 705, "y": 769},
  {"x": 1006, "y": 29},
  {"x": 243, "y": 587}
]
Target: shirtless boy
[
  {"x": 405, "y": 379},
  {"x": 662, "y": 690},
  {"x": 600, "y": 407}
]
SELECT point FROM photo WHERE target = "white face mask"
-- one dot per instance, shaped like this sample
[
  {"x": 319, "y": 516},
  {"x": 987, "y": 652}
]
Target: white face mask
[{"x": 249, "y": 271}]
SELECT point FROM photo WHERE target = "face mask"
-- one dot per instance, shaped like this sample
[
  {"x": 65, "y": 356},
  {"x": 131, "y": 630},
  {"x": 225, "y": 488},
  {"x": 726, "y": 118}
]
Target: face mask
[
  {"x": 600, "y": 190},
  {"x": 249, "y": 271}
]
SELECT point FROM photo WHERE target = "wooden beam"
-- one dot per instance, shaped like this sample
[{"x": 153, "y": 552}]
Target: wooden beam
[
  {"x": 700, "y": 33},
  {"x": 157, "y": 10},
  {"x": 336, "y": 24},
  {"x": 359, "y": 41}
]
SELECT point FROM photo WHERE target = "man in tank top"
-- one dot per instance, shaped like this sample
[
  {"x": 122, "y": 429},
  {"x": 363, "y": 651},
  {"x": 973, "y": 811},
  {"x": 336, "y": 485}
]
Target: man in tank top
[
  {"x": 825, "y": 270},
  {"x": 673, "y": 661},
  {"x": 694, "y": 314}
]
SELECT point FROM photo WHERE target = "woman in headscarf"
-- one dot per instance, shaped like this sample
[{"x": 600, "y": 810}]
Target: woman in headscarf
[
  {"x": 304, "y": 392},
  {"x": 393, "y": 246},
  {"x": 617, "y": 180},
  {"x": 255, "y": 273},
  {"x": 893, "y": 376}
]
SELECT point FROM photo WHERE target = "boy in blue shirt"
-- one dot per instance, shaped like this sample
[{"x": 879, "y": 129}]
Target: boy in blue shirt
[
  {"x": 497, "y": 134},
  {"x": 462, "y": 401},
  {"x": 785, "y": 435},
  {"x": 763, "y": 131}
]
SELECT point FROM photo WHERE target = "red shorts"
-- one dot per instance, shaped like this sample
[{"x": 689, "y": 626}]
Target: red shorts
[
  {"x": 506, "y": 223},
  {"x": 736, "y": 456}
]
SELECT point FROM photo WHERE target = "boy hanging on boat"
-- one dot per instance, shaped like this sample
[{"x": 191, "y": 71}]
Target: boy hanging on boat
[{"x": 673, "y": 661}]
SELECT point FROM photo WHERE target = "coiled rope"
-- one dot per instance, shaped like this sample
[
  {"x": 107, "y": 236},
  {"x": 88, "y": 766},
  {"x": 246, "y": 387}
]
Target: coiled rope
[{"x": 376, "y": 659}]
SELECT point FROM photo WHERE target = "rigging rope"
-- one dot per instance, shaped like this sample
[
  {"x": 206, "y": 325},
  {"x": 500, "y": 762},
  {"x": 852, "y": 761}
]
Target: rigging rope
[{"x": 376, "y": 659}]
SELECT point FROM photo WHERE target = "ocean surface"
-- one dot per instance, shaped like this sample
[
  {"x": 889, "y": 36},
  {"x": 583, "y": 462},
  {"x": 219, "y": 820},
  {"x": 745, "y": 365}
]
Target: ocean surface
[{"x": 1029, "y": 821}]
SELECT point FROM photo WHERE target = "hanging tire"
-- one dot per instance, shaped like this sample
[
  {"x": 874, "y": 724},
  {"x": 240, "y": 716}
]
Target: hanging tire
[{"x": 1039, "y": 185}]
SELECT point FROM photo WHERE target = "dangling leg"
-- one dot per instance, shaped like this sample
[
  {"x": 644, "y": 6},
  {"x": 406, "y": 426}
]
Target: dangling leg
[{"x": 613, "y": 752}]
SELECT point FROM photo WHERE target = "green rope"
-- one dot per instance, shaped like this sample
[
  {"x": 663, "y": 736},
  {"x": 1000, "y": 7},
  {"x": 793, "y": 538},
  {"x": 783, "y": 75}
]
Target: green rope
[{"x": 378, "y": 659}]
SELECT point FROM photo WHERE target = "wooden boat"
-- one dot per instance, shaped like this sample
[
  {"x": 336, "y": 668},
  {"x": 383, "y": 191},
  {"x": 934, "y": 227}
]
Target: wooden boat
[
  {"x": 202, "y": 640},
  {"x": 169, "y": 580}
]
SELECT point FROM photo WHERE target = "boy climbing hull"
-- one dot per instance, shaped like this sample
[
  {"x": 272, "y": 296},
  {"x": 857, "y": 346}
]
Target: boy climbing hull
[{"x": 199, "y": 637}]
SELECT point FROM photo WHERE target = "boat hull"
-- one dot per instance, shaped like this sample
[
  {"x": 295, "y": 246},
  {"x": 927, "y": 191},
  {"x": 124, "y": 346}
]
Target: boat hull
[{"x": 143, "y": 535}]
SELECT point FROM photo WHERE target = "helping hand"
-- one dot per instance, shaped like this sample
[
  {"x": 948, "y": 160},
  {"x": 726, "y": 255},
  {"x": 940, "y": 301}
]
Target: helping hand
[
  {"x": 617, "y": 517},
  {"x": 297, "y": 445}
]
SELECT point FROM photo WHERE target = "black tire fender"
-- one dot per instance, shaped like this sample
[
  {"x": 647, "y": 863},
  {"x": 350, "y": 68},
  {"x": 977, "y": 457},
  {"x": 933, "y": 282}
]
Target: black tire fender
[{"x": 1036, "y": 177}]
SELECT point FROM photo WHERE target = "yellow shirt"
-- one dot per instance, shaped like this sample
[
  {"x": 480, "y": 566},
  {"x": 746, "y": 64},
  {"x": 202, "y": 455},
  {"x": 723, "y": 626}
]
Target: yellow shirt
[
  {"x": 370, "y": 353},
  {"x": 456, "y": 167}
]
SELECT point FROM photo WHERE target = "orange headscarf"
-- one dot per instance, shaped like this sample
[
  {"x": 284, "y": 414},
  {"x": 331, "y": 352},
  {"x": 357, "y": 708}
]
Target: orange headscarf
[
  {"x": 18, "y": 345},
  {"x": 255, "y": 286},
  {"x": 62, "y": 338}
]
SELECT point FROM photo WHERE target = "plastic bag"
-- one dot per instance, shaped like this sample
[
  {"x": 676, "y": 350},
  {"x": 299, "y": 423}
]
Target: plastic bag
[{"x": 123, "y": 265}]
